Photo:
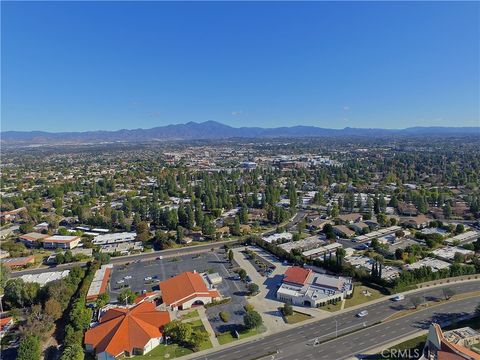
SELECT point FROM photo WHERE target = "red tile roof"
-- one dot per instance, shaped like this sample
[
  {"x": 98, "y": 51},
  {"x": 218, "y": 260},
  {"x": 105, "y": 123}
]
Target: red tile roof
[
  {"x": 142, "y": 297},
  {"x": 123, "y": 330},
  {"x": 451, "y": 351},
  {"x": 184, "y": 287},
  {"x": 5, "y": 321},
  {"x": 297, "y": 275}
]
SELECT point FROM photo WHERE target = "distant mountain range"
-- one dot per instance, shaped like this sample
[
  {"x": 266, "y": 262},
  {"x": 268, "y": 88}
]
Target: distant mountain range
[{"x": 213, "y": 130}]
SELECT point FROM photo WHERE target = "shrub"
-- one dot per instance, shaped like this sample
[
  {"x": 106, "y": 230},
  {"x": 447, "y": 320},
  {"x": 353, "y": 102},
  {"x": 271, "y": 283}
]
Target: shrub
[{"x": 225, "y": 316}]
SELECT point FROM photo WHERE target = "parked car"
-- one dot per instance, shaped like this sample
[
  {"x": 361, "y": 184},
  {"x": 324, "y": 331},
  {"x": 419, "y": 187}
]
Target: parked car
[
  {"x": 120, "y": 281},
  {"x": 148, "y": 278},
  {"x": 362, "y": 313},
  {"x": 128, "y": 277},
  {"x": 398, "y": 298}
]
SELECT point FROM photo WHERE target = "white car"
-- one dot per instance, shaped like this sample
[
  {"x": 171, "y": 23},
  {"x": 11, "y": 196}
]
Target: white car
[
  {"x": 398, "y": 298},
  {"x": 362, "y": 313},
  {"x": 120, "y": 281},
  {"x": 128, "y": 277},
  {"x": 148, "y": 278}
]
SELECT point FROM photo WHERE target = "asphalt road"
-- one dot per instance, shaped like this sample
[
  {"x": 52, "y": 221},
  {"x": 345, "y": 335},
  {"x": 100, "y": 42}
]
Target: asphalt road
[{"x": 299, "y": 343}]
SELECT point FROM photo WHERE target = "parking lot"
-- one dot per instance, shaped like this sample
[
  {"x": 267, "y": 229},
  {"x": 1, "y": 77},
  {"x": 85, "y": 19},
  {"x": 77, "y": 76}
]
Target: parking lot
[{"x": 134, "y": 274}]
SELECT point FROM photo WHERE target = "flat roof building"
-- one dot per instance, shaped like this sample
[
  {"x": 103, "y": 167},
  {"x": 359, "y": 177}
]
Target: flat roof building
[
  {"x": 61, "y": 242},
  {"x": 18, "y": 261},
  {"x": 466, "y": 237},
  {"x": 99, "y": 282},
  {"x": 44, "y": 278},
  {"x": 304, "y": 287},
  {"x": 33, "y": 239}
]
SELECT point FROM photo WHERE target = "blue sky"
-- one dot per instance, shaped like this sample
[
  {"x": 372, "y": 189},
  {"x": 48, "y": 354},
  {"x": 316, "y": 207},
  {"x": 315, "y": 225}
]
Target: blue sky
[{"x": 104, "y": 65}]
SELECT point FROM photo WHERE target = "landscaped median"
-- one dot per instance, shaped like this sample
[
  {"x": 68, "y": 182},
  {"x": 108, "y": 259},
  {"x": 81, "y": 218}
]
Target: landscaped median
[{"x": 438, "y": 302}]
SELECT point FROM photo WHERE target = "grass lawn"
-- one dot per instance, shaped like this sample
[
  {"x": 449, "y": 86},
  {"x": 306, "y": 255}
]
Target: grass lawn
[
  {"x": 358, "y": 297},
  {"x": 227, "y": 337},
  {"x": 419, "y": 341},
  {"x": 415, "y": 343},
  {"x": 332, "y": 307},
  {"x": 296, "y": 317},
  {"x": 190, "y": 315},
  {"x": 197, "y": 325},
  {"x": 165, "y": 352},
  {"x": 39, "y": 255}
]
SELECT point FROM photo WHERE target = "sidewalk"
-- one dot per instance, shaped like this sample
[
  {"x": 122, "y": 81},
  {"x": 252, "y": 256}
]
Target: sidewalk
[{"x": 208, "y": 327}]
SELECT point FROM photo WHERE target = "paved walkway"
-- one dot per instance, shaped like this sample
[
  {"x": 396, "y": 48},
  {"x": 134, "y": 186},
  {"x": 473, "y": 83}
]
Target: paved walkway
[
  {"x": 208, "y": 326},
  {"x": 265, "y": 303}
]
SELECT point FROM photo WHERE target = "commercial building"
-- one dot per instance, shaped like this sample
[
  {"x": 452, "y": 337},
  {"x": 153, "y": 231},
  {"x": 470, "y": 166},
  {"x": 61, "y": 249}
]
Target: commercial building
[
  {"x": 127, "y": 331},
  {"x": 322, "y": 250},
  {"x": 114, "y": 238},
  {"x": 309, "y": 243},
  {"x": 304, "y": 287},
  {"x": 448, "y": 253},
  {"x": 434, "y": 264},
  {"x": 61, "y": 242},
  {"x": 276, "y": 237},
  {"x": 465, "y": 238},
  {"x": 376, "y": 234},
  {"x": 186, "y": 290},
  {"x": 438, "y": 346},
  {"x": 33, "y": 239},
  {"x": 99, "y": 282},
  {"x": 46, "y": 277}
]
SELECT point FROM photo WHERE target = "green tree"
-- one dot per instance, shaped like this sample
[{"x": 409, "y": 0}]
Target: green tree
[
  {"x": 287, "y": 309},
  {"x": 448, "y": 293},
  {"x": 230, "y": 255},
  {"x": 459, "y": 229},
  {"x": 103, "y": 299},
  {"x": 143, "y": 231},
  {"x": 4, "y": 276},
  {"x": 73, "y": 352},
  {"x": 53, "y": 309},
  {"x": 225, "y": 316},
  {"x": 127, "y": 296},
  {"x": 252, "y": 319},
  {"x": 243, "y": 274},
  {"x": 29, "y": 348},
  {"x": 252, "y": 288}
]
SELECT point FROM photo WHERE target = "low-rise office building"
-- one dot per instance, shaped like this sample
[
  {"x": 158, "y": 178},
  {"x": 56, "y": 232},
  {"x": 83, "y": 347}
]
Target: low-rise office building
[
  {"x": 304, "y": 287},
  {"x": 61, "y": 242},
  {"x": 33, "y": 239},
  {"x": 18, "y": 262}
]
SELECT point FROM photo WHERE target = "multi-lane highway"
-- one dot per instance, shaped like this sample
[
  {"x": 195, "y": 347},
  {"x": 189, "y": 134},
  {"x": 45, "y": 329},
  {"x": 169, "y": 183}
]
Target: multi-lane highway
[{"x": 310, "y": 341}]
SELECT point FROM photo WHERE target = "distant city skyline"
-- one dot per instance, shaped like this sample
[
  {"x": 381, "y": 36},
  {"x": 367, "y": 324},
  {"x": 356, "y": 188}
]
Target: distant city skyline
[{"x": 111, "y": 65}]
